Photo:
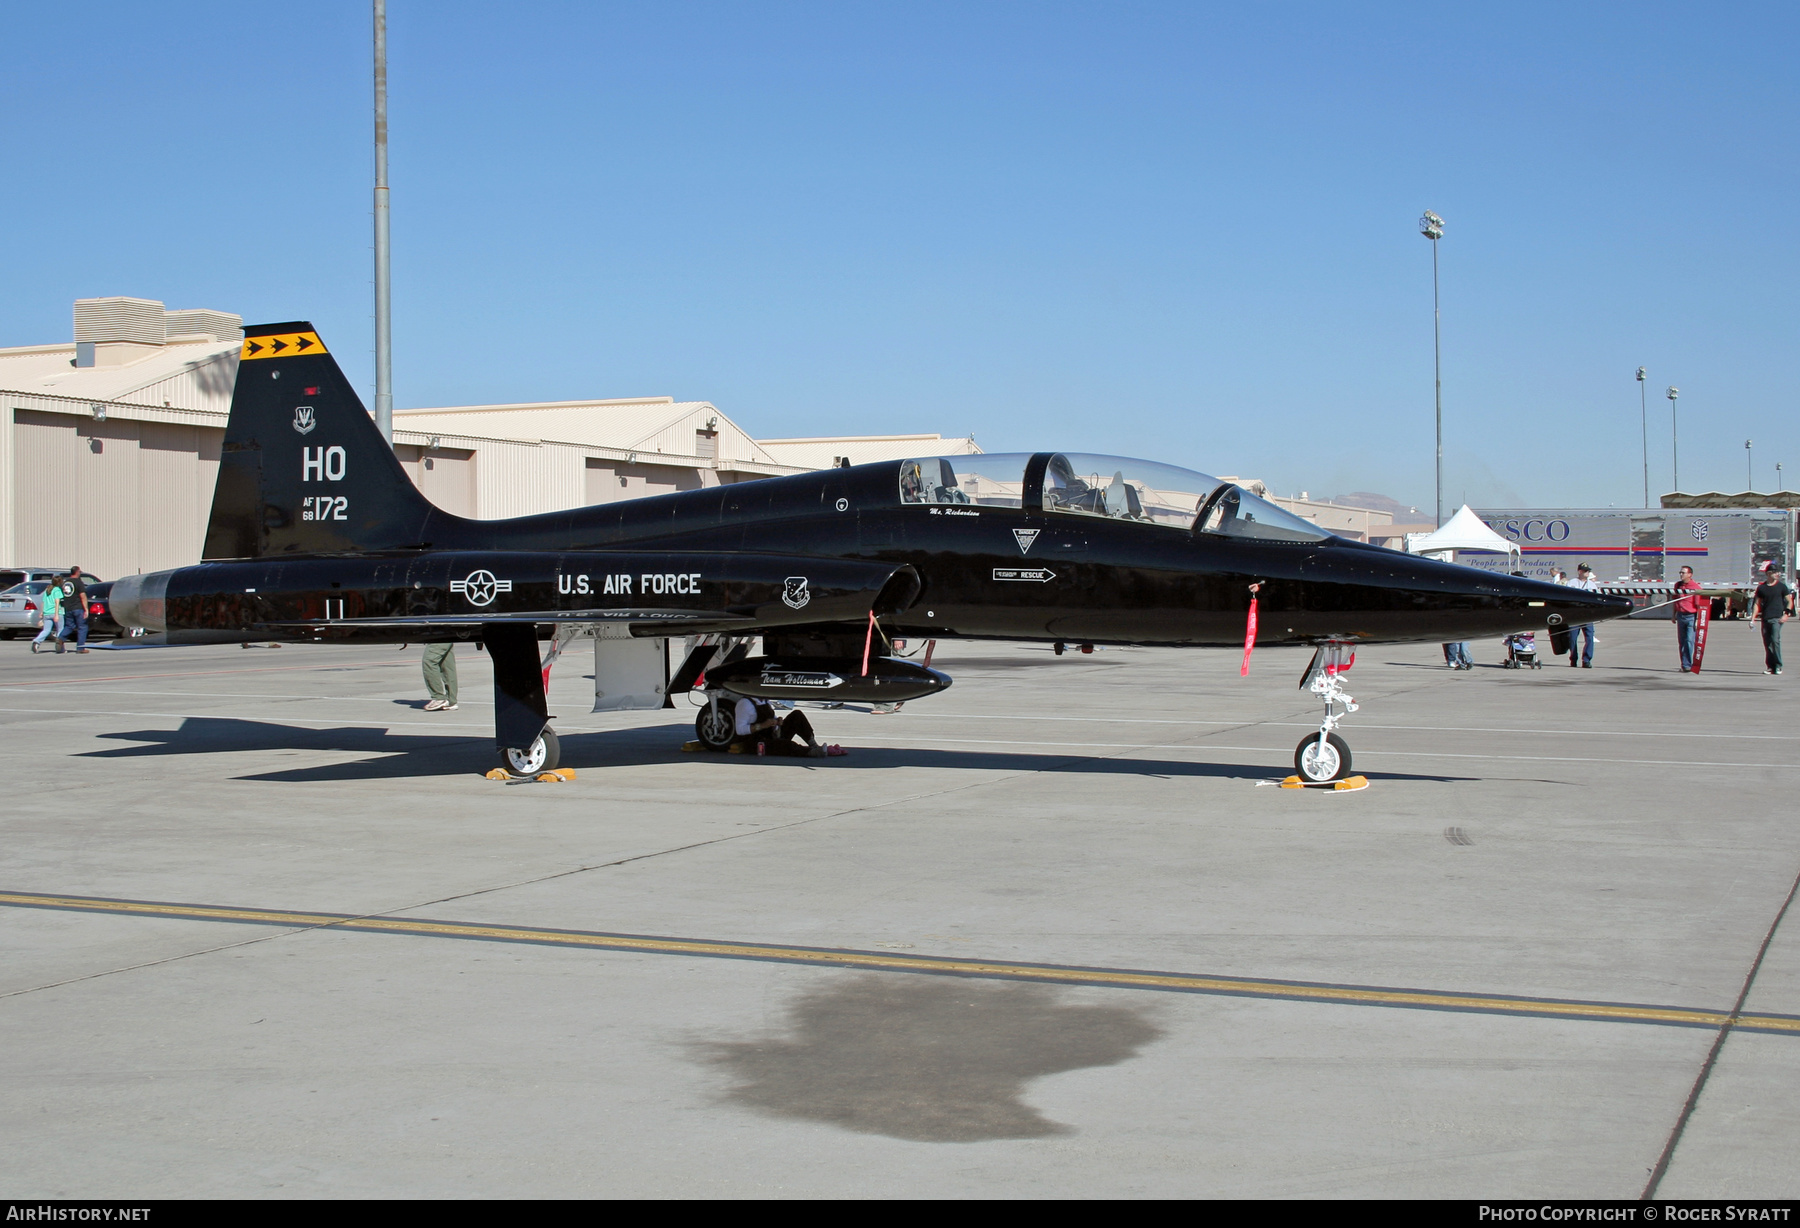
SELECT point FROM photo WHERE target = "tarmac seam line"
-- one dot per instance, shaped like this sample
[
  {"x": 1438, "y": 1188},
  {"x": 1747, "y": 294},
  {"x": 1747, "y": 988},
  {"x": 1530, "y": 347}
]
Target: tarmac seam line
[{"x": 1731, "y": 1021}]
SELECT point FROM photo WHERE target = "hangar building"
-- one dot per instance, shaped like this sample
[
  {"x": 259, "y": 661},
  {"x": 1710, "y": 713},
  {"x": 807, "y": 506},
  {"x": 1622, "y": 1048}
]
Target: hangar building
[{"x": 114, "y": 438}]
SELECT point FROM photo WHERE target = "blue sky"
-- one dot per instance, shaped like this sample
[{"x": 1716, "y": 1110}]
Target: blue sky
[{"x": 1185, "y": 232}]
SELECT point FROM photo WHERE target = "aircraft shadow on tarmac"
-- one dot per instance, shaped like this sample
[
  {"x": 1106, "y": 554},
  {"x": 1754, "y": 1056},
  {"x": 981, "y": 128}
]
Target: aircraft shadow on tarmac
[
  {"x": 398, "y": 756},
  {"x": 930, "y": 1059}
]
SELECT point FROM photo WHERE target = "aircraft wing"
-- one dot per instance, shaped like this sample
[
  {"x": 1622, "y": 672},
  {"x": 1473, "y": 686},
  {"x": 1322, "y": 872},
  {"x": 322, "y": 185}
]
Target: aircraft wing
[{"x": 651, "y": 621}]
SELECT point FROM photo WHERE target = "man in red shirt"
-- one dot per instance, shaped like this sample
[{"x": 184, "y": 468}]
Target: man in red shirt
[{"x": 1687, "y": 614}]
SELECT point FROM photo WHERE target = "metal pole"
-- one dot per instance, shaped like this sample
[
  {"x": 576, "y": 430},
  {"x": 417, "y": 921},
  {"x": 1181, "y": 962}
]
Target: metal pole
[
  {"x": 384, "y": 356},
  {"x": 1674, "y": 395},
  {"x": 1644, "y": 423},
  {"x": 1749, "y": 472},
  {"x": 1437, "y": 367}
]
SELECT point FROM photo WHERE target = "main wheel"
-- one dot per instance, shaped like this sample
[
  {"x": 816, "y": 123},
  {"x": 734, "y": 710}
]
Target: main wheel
[
  {"x": 1319, "y": 762},
  {"x": 716, "y": 725},
  {"x": 541, "y": 756}
]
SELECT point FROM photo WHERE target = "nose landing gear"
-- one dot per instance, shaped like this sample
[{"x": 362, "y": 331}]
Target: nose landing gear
[{"x": 1324, "y": 756}]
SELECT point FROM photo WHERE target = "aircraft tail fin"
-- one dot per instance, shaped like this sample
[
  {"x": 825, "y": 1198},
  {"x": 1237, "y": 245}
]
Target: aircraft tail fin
[{"x": 303, "y": 469}]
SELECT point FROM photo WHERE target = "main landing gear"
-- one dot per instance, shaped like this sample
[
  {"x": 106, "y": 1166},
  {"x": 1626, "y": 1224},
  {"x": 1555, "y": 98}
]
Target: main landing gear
[
  {"x": 716, "y": 726},
  {"x": 541, "y": 756},
  {"x": 1323, "y": 756},
  {"x": 522, "y": 734}
]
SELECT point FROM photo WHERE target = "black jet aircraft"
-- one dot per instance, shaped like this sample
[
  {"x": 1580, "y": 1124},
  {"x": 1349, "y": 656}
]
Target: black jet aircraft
[{"x": 317, "y": 534}]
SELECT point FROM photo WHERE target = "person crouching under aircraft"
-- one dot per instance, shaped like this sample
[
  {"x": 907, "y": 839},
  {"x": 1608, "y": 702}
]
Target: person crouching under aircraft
[{"x": 792, "y": 735}]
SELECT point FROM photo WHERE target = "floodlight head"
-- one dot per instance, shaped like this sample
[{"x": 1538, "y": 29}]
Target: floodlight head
[
  {"x": 1673, "y": 393},
  {"x": 1431, "y": 226},
  {"x": 1640, "y": 375}
]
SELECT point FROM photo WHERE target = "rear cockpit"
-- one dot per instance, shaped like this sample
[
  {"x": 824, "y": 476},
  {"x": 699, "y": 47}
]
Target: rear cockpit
[{"x": 1106, "y": 487}]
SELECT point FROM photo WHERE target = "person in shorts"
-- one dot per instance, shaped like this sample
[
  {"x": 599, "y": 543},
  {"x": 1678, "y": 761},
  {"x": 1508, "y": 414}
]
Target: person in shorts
[{"x": 1771, "y": 605}]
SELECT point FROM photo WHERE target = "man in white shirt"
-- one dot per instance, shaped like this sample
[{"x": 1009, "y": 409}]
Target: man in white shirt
[
  {"x": 1584, "y": 579},
  {"x": 755, "y": 724},
  {"x": 1559, "y": 636}
]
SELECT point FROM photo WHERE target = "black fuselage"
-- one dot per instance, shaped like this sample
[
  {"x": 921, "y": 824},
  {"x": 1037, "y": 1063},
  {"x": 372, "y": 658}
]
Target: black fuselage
[
  {"x": 1083, "y": 578},
  {"x": 317, "y": 533}
]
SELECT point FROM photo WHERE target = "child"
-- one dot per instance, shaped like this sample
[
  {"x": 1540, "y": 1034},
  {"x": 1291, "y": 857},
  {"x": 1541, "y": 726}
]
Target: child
[{"x": 52, "y": 599}]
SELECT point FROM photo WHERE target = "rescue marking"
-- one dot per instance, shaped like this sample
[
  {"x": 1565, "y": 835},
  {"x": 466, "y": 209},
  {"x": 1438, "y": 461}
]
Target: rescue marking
[
  {"x": 882, "y": 961},
  {"x": 1035, "y": 575},
  {"x": 279, "y": 344}
]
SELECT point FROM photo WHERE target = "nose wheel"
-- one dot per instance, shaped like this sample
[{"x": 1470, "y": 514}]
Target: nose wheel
[
  {"x": 1324, "y": 756},
  {"x": 1319, "y": 759}
]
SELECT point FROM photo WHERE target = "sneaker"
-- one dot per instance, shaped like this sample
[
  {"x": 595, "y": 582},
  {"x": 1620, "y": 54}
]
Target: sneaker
[
  {"x": 432, "y": 705},
  {"x": 81, "y": 650},
  {"x": 1587, "y": 665},
  {"x": 448, "y": 708}
]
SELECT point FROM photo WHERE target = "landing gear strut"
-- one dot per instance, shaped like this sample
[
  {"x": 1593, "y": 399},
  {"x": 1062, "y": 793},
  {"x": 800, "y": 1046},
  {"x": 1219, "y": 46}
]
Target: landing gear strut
[
  {"x": 1324, "y": 756},
  {"x": 522, "y": 732}
]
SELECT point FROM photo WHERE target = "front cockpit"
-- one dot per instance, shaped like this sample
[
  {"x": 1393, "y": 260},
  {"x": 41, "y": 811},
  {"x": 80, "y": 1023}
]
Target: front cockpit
[{"x": 1107, "y": 487}]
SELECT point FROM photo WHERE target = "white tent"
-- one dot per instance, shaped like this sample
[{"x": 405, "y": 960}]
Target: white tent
[{"x": 1463, "y": 531}]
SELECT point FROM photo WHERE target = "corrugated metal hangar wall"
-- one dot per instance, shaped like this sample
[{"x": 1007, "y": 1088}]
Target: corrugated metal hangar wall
[{"x": 109, "y": 448}]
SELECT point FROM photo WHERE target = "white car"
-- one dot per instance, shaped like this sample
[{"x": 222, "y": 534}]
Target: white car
[{"x": 22, "y": 608}]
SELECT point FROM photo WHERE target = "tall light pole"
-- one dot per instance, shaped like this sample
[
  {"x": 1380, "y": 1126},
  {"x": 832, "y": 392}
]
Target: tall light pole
[
  {"x": 1674, "y": 394},
  {"x": 1432, "y": 227},
  {"x": 384, "y": 356},
  {"x": 1749, "y": 478},
  {"x": 1644, "y": 422}
]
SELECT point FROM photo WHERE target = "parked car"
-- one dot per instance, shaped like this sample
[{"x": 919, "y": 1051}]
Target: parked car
[
  {"x": 100, "y": 620},
  {"x": 22, "y": 608},
  {"x": 22, "y": 605},
  {"x": 9, "y": 576}
]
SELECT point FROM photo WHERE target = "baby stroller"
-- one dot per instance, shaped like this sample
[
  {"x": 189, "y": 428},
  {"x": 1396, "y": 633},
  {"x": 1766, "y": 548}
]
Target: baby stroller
[{"x": 1521, "y": 651}]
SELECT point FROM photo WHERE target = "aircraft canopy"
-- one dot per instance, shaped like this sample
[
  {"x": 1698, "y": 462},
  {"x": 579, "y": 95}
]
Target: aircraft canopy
[{"x": 1113, "y": 487}]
